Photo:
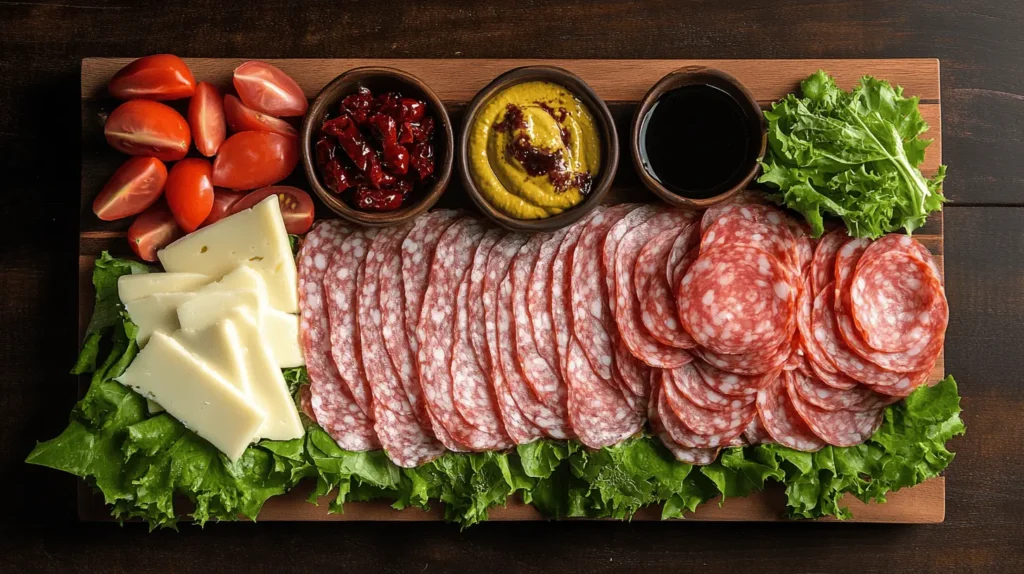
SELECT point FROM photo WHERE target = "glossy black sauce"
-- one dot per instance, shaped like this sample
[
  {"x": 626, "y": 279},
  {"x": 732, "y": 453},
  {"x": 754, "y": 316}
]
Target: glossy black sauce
[{"x": 695, "y": 141}]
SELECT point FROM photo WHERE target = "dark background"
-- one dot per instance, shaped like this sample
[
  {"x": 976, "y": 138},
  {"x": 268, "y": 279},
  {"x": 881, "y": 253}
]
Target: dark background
[{"x": 982, "y": 53}]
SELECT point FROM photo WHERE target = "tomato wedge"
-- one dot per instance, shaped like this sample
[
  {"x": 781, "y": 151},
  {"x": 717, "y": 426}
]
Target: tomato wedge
[
  {"x": 296, "y": 206},
  {"x": 268, "y": 90},
  {"x": 190, "y": 192},
  {"x": 156, "y": 77},
  {"x": 153, "y": 230},
  {"x": 206, "y": 118},
  {"x": 135, "y": 186},
  {"x": 144, "y": 127},
  {"x": 244, "y": 119},
  {"x": 223, "y": 201},
  {"x": 249, "y": 160}
]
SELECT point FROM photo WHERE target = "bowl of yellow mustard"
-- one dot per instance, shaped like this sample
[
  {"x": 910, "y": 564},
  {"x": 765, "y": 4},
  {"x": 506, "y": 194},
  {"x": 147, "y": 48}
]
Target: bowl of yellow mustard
[{"x": 538, "y": 149}]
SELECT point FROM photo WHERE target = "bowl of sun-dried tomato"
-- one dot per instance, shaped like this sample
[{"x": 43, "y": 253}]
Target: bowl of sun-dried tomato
[{"x": 377, "y": 146}]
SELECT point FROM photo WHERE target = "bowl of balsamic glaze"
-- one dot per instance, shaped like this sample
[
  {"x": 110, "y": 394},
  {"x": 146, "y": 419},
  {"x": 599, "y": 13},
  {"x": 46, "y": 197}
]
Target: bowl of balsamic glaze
[{"x": 697, "y": 137}]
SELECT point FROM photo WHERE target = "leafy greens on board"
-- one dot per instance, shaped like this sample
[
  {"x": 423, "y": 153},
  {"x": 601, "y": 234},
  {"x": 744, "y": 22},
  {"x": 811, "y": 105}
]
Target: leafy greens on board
[
  {"x": 852, "y": 154},
  {"x": 140, "y": 462}
]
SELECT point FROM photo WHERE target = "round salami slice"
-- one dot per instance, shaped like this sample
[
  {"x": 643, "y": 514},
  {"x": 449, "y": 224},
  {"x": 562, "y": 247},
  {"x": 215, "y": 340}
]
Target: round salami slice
[
  {"x": 715, "y": 212},
  {"x": 898, "y": 242},
  {"x": 751, "y": 225},
  {"x": 829, "y": 398},
  {"x": 632, "y": 377},
  {"x": 610, "y": 247},
  {"x": 329, "y": 399},
  {"x": 755, "y": 433},
  {"x": 690, "y": 383},
  {"x": 599, "y": 414},
  {"x": 839, "y": 427},
  {"x": 679, "y": 416},
  {"x": 835, "y": 379},
  {"x": 657, "y": 298},
  {"x": 686, "y": 245},
  {"x": 731, "y": 384},
  {"x": 749, "y": 364},
  {"x": 519, "y": 427},
  {"x": 653, "y": 258},
  {"x": 417, "y": 258},
  {"x": 846, "y": 263},
  {"x": 627, "y": 311},
  {"x": 561, "y": 296},
  {"x": 539, "y": 299},
  {"x": 782, "y": 421},
  {"x": 919, "y": 358},
  {"x": 823, "y": 265},
  {"x": 475, "y": 298},
  {"x": 695, "y": 456},
  {"x": 404, "y": 440},
  {"x": 737, "y": 300},
  {"x": 341, "y": 285},
  {"x": 591, "y": 316}
]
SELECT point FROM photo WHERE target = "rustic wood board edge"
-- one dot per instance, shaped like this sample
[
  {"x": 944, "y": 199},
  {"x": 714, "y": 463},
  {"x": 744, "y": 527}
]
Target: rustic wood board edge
[{"x": 615, "y": 80}]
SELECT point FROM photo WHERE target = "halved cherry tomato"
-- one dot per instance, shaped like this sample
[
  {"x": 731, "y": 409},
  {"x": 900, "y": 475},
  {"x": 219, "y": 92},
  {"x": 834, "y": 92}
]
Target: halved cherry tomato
[
  {"x": 153, "y": 230},
  {"x": 223, "y": 200},
  {"x": 245, "y": 119},
  {"x": 156, "y": 77},
  {"x": 296, "y": 206},
  {"x": 268, "y": 90},
  {"x": 249, "y": 160},
  {"x": 190, "y": 192},
  {"x": 144, "y": 127},
  {"x": 135, "y": 185},
  {"x": 206, "y": 118}
]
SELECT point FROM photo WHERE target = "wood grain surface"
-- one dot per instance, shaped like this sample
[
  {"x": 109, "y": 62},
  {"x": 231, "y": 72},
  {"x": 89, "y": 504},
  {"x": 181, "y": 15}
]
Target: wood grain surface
[{"x": 42, "y": 43}]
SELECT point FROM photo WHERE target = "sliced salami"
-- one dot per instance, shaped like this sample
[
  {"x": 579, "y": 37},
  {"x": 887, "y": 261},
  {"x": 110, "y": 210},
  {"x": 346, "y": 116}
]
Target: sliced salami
[
  {"x": 829, "y": 398},
  {"x": 749, "y": 364},
  {"x": 417, "y": 257},
  {"x": 781, "y": 420},
  {"x": 752, "y": 225},
  {"x": 823, "y": 265},
  {"x": 539, "y": 299},
  {"x": 329, "y": 399},
  {"x": 715, "y": 212},
  {"x": 658, "y": 298},
  {"x": 599, "y": 414},
  {"x": 707, "y": 422},
  {"x": 406, "y": 443},
  {"x": 610, "y": 247},
  {"x": 653, "y": 259},
  {"x": 686, "y": 245},
  {"x": 731, "y": 384},
  {"x": 541, "y": 375},
  {"x": 755, "y": 433},
  {"x": 835, "y": 379},
  {"x": 897, "y": 242},
  {"x": 561, "y": 296},
  {"x": 919, "y": 358},
  {"x": 674, "y": 409},
  {"x": 477, "y": 317},
  {"x": 632, "y": 377},
  {"x": 341, "y": 285},
  {"x": 695, "y": 456},
  {"x": 688, "y": 381},
  {"x": 803, "y": 247},
  {"x": 839, "y": 427}
]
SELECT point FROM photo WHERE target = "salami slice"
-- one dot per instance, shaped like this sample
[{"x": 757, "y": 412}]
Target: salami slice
[
  {"x": 329, "y": 399},
  {"x": 695, "y": 456},
  {"x": 686, "y": 245},
  {"x": 628, "y": 313},
  {"x": 839, "y": 427},
  {"x": 539, "y": 299},
  {"x": 475, "y": 299},
  {"x": 737, "y": 300},
  {"x": 823, "y": 265},
  {"x": 751, "y": 225},
  {"x": 829, "y": 398},
  {"x": 803, "y": 246},
  {"x": 519, "y": 427},
  {"x": 731, "y": 384},
  {"x": 405, "y": 442},
  {"x": 715, "y": 212},
  {"x": 653, "y": 258},
  {"x": 417, "y": 257},
  {"x": 561, "y": 296},
  {"x": 591, "y": 316},
  {"x": 755, "y": 433},
  {"x": 673, "y": 409},
  {"x": 781, "y": 420},
  {"x": 897, "y": 242},
  {"x": 835, "y": 379},
  {"x": 707, "y": 422},
  {"x": 632, "y": 377},
  {"x": 657, "y": 298},
  {"x": 688, "y": 381},
  {"x": 340, "y": 284},
  {"x": 541, "y": 375},
  {"x": 749, "y": 364},
  {"x": 610, "y": 247},
  {"x": 599, "y": 414}
]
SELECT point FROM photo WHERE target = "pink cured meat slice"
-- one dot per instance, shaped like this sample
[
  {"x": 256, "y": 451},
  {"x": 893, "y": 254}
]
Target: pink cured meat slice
[
  {"x": 737, "y": 300},
  {"x": 782, "y": 421},
  {"x": 329, "y": 399},
  {"x": 901, "y": 243},
  {"x": 731, "y": 384},
  {"x": 628, "y": 313},
  {"x": 610, "y": 247},
  {"x": 713, "y": 213},
  {"x": 755, "y": 433},
  {"x": 707, "y": 422},
  {"x": 839, "y": 427},
  {"x": 690, "y": 383},
  {"x": 669, "y": 401},
  {"x": 591, "y": 317},
  {"x": 405, "y": 442},
  {"x": 657, "y": 298},
  {"x": 823, "y": 266},
  {"x": 599, "y": 414},
  {"x": 341, "y": 285},
  {"x": 471, "y": 390},
  {"x": 653, "y": 258},
  {"x": 475, "y": 298},
  {"x": 829, "y": 398},
  {"x": 749, "y": 364},
  {"x": 551, "y": 419},
  {"x": 687, "y": 242},
  {"x": 561, "y": 296},
  {"x": 817, "y": 361},
  {"x": 521, "y": 429},
  {"x": 803, "y": 248},
  {"x": 751, "y": 225},
  {"x": 417, "y": 257},
  {"x": 682, "y": 266},
  {"x": 539, "y": 299},
  {"x": 695, "y": 456},
  {"x": 632, "y": 377},
  {"x": 834, "y": 379}
]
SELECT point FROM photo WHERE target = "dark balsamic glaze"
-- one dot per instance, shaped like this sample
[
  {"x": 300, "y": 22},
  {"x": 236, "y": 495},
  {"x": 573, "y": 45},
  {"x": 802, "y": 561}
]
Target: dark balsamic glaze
[{"x": 695, "y": 141}]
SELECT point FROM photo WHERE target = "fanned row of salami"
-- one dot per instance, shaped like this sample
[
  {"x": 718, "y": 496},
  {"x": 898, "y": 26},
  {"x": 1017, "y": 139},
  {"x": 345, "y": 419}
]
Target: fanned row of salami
[{"x": 725, "y": 328}]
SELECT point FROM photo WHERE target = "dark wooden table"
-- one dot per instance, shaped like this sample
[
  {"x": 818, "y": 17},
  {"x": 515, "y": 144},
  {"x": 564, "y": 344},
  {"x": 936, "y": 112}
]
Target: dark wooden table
[{"x": 982, "y": 54}]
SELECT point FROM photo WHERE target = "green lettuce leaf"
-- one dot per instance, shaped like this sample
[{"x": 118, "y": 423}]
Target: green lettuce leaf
[{"x": 107, "y": 310}]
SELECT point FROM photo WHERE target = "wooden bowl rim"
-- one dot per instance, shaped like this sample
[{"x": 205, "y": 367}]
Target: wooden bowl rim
[
  {"x": 610, "y": 146},
  {"x": 689, "y": 76},
  {"x": 332, "y": 93}
]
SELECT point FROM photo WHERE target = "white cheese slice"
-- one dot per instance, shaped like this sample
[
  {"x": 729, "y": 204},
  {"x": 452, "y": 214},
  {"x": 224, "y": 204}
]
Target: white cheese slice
[
  {"x": 254, "y": 237},
  {"x": 221, "y": 349},
  {"x": 156, "y": 313},
  {"x": 194, "y": 394},
  {"x": 244, "y": 278},
  {"x": 269, "y": 389},
  {"x": 207, "y": 308},
  {"x": 281, "y": 331},
  {"x": 132, "y": 287}
]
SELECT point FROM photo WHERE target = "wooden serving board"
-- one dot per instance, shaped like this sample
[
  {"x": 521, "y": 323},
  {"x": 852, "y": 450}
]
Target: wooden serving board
[{"x": 621, "y": 83}]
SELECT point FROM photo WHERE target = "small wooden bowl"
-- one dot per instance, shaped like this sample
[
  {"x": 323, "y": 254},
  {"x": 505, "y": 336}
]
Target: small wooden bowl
[
  {"x": 378, "y": 81},
  {"x": 690, "y": 76},
  {"x": 609, "y": 147}
]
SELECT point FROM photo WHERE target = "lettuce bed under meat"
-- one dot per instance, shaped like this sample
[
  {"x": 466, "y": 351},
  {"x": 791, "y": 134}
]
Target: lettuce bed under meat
[{"x": 141, "y": 462}]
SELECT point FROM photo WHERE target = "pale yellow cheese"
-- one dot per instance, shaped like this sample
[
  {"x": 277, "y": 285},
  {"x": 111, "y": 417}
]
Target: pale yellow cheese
[
  {"x": 281, "y": 331},
  {"x": 221, "y": 349},
  {"x": 207, "y": 308},
  {"x": 156, "y": 313},
  {"x": 132, "y": 287}
]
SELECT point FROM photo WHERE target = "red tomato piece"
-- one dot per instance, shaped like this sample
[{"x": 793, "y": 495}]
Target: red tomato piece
[
  {"x": 296, "y": 206},
  {"x": 268, "y": 90},
  {"x": 156, "y": 77},
  {"x": 245, "y": 119},
  {"x": 223, "y": 200},
  {"x": 144, "y": 127},
  {"x": 206, "y": 118},
  {"x": 153, "y": 230},
  {"x": 135, "y": 186},
  {"x": 189, "y": 192},
  {"x": 249, "y": 160}
]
